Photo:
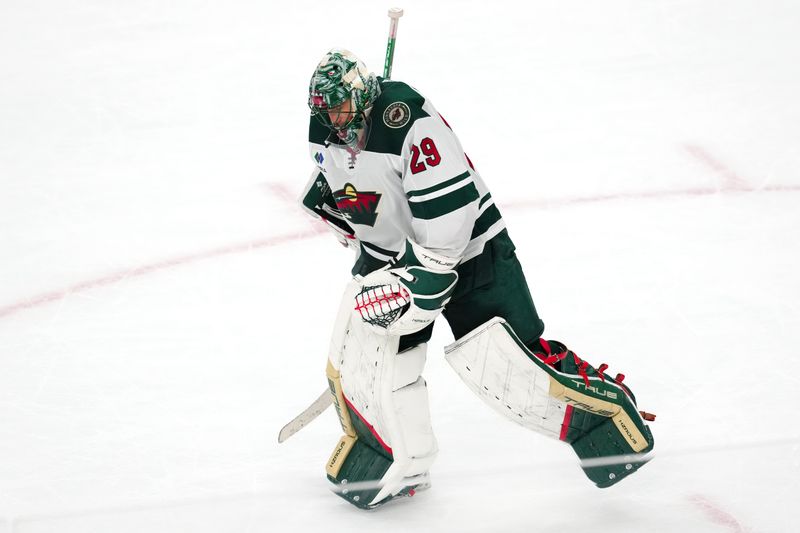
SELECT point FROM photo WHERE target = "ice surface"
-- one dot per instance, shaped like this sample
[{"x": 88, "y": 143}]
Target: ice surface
[{"x": 165, "y": 308}]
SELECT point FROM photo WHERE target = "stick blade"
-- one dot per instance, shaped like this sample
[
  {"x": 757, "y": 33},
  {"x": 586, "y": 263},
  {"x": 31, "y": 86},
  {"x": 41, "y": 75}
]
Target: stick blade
[{"x": 301, "y": 420}]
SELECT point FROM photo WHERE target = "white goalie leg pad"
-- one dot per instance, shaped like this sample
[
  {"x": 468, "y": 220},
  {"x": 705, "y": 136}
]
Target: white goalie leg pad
[
  {"x": 341, "y": 326},
  {"x": 498, "y": 371},
  {"x": 386, "y": 390}
]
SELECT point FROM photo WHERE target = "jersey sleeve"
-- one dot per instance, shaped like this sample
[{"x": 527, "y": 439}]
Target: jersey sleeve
[
  {"x": 439, "y": 185},
  {"x": 317, "y": 198},
  {"x": 317, "y": 201}
]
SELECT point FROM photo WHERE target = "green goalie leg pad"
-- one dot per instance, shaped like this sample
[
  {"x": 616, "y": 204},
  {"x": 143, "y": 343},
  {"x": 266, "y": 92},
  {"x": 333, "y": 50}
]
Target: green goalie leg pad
[
  {"x": 358, "y": 459},
  {"x": 358, "y": 456},
  {"x": 622, "y": 438},
  {"x": 595, "y": 437},
  {"x": 365, "y": 466},
  {"x": 361, "y": 462}
]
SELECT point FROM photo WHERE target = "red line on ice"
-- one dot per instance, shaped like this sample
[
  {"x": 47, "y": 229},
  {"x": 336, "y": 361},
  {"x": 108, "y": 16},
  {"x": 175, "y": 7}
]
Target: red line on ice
[
  {"x": 730, "y": 179},
  {"x": 282, "y": 191},
  {"x": 142, "y": 270},
  {"x": 644, "y": 195},
  {"x": 717, "y": 515}
]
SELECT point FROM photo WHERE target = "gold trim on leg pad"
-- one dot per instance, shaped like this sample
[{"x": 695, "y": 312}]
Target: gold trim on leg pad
[
  {"x": 335, "y": 385},
  {"x": 627, "y": 427},
  {"x": 593, "y": 413},
  {"x": 339, "y": 455},
  {"x": 583, "y": 401}
]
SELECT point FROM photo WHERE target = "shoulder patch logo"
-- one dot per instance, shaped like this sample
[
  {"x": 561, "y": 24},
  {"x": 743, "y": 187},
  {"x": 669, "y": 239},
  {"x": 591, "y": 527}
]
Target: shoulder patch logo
[
  {"x": 397, "y": 115},
  {"x": 357, "y": 207}
]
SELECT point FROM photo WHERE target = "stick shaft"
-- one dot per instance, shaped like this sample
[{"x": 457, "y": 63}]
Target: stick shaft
[{"x": 394, "y": 16}]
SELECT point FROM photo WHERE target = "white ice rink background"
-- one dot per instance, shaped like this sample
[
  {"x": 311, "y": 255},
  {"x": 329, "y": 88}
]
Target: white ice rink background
[{"x": 165, "y": 308}]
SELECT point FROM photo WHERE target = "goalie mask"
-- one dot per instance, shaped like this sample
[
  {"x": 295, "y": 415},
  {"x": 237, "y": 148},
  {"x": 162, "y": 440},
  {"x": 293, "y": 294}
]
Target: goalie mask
[{"x": 340, "y": 93}]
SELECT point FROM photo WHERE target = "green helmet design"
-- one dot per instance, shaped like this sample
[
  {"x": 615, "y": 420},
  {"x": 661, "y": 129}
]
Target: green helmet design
[{"x": 339, "y": 77}]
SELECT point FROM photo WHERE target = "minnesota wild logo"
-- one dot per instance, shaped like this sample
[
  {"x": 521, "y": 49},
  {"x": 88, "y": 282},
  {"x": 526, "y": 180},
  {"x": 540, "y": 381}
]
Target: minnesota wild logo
[
  {"x": 396, "y": 115},
  {"x": 357, "y": 207}
]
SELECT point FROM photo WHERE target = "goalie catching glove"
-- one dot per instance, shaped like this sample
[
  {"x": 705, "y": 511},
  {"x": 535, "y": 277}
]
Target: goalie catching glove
[{"x": 404, "y": 300}]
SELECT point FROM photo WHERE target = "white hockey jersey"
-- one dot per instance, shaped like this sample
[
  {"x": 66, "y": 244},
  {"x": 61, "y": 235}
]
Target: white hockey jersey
[{"x": 412, "y": 178}]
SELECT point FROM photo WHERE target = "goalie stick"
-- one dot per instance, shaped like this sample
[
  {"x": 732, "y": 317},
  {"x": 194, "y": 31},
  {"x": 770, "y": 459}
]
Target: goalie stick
[
  {"x": 325, "y": 399},
  {"x": 394, "y": 15},
  {"x": 309, "y": 414}
]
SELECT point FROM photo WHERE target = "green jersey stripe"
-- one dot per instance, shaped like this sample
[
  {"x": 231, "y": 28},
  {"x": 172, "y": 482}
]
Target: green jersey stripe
[
  {"x": 485, "y": 199},
  {"x": 376, "y": 248},
  {"x": 485, "y": 221},
  {"x": 438, "y": 186},
  {"x": 447, "y": 203}
]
